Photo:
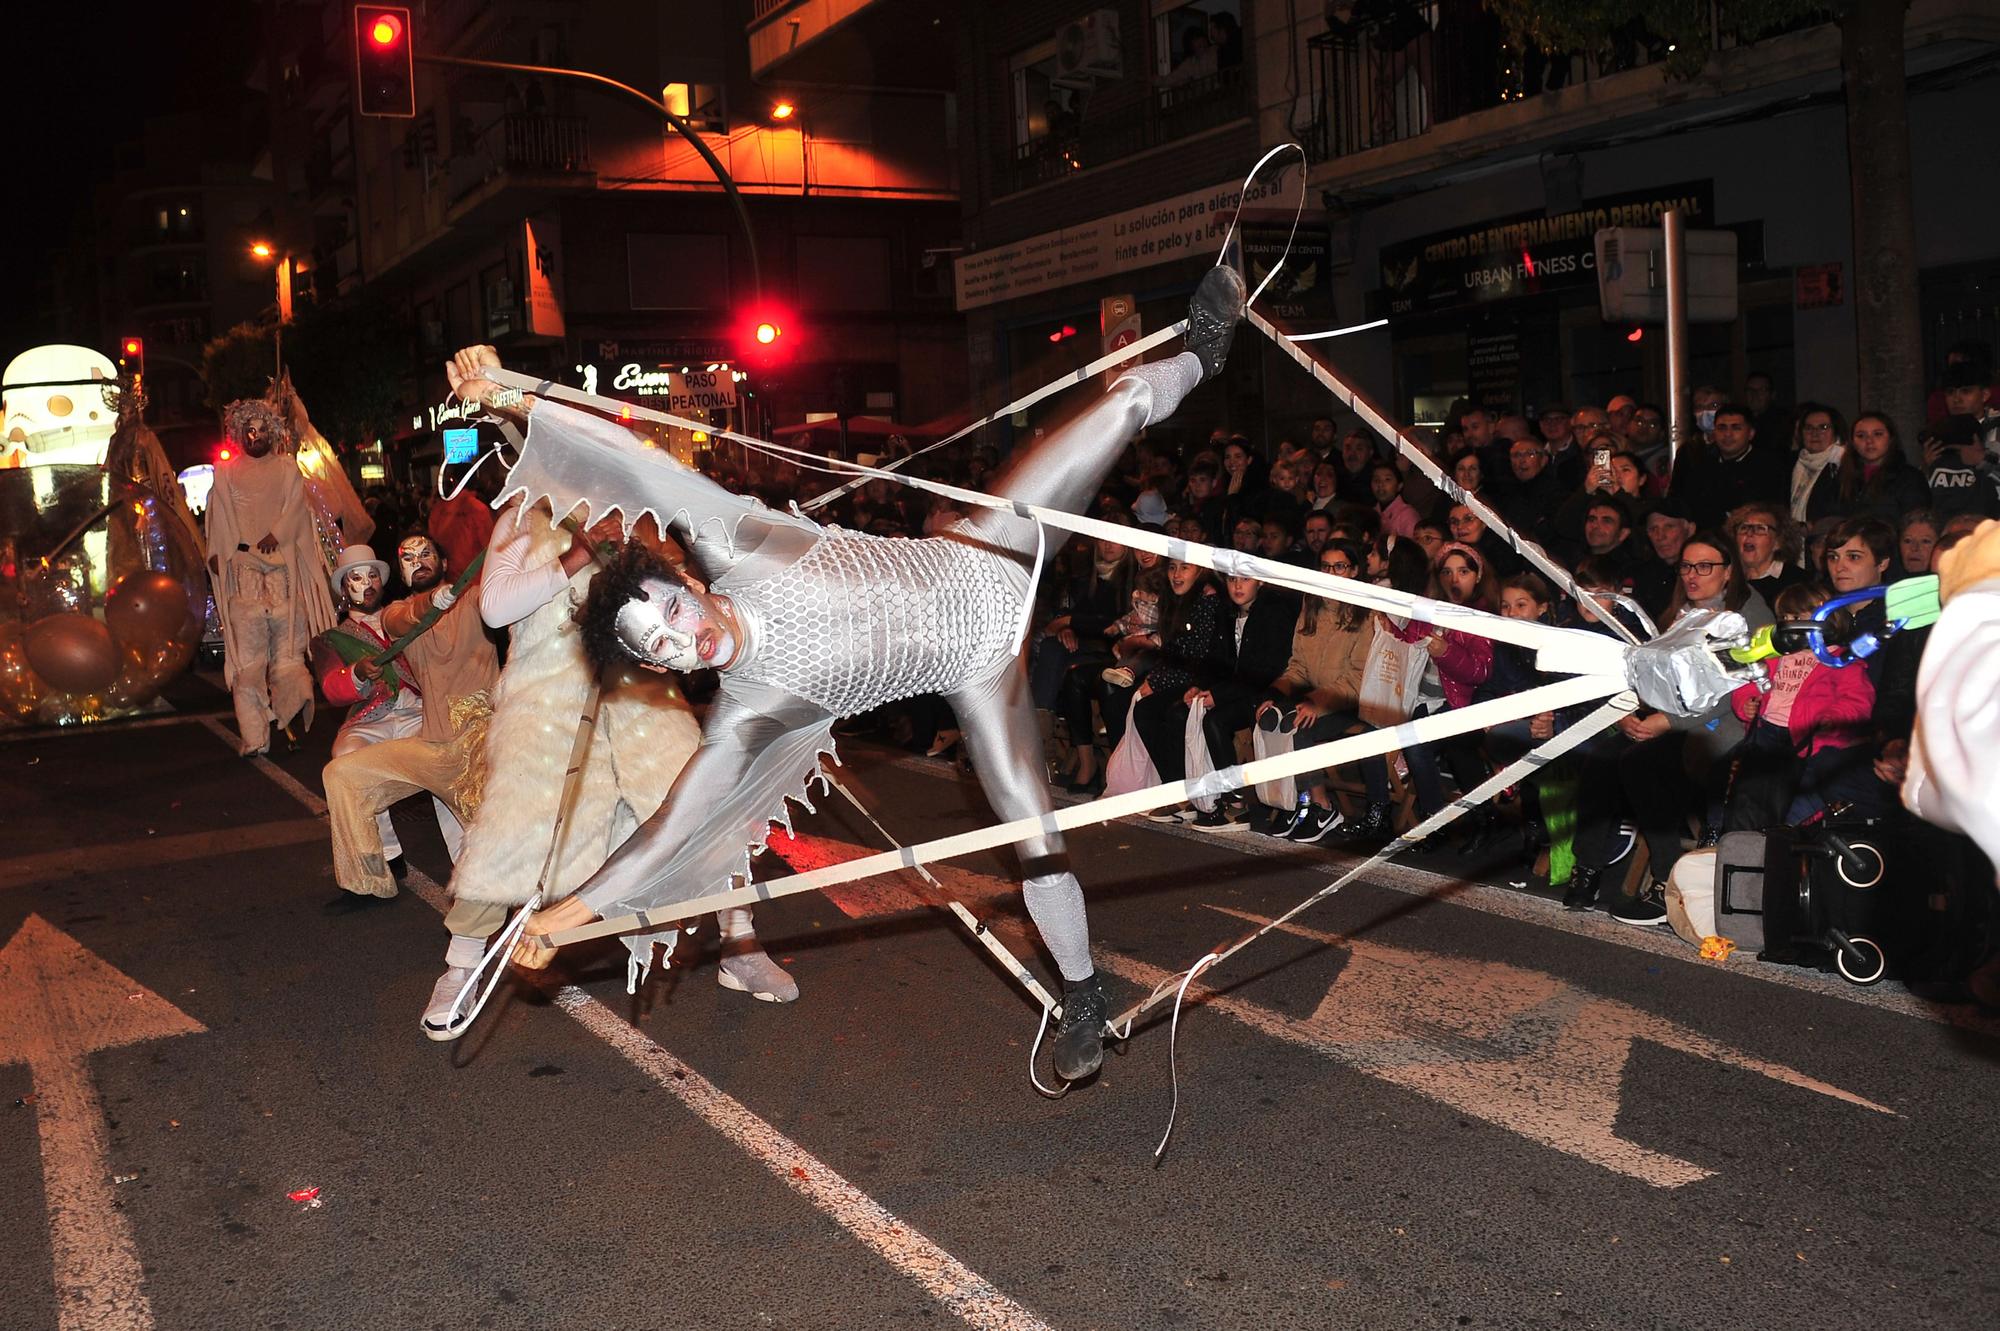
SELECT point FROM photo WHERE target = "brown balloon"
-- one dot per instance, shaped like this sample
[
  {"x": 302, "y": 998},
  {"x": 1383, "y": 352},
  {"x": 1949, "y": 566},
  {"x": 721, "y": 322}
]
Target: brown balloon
[
  {"x": 73, "y": 652},
  {"x": 146, "y": 607}
]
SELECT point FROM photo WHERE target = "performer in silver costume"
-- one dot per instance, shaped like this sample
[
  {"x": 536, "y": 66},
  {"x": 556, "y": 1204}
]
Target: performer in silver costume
[{"x": 809, "y": 624}]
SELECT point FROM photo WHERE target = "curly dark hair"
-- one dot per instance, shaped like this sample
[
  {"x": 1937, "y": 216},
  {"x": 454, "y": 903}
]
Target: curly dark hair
[{"x": 618, "y": 582}]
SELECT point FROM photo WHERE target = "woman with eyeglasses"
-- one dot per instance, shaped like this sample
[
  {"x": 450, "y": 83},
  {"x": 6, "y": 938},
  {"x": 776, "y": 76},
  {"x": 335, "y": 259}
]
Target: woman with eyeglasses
[
  {"x": 1320, "y": 688},
  {"x": 1876, "y": 480},
  {"x": 1819, "y": 442},
  {"x": 1673, "y": 774},
  {"x": 1766, "y": 545}
]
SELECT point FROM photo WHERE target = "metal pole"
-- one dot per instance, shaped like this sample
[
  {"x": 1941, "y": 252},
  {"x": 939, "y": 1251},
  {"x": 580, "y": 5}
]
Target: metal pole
[
  {"x": 653, "y": 104},
  {"x": 1678, "y": 417}
]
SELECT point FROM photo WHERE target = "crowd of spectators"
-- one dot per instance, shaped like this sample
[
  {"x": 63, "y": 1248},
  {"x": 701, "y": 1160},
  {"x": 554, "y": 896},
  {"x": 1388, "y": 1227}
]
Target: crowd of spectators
[{"x": 1767, "y": 510}]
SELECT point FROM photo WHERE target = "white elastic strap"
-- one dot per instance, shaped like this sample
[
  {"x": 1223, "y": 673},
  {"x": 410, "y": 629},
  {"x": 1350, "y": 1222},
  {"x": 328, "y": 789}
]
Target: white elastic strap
[
  {"x": 1554, "y": 747},
  {"x": 1173, "y": 1050},
  {"x": 1034, "y": 1052},
  {"x": 1339, "y": 332},
  {"x": 495, "y": 960},
  {"x": 1336, "y": 752},
  {"x": 1114, "y": 358},
  {"x": 466, "y": 479},
  {"x": 1562, "y": 650}
]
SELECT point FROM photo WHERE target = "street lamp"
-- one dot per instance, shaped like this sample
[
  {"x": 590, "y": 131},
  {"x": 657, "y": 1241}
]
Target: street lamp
[
  {"x": 784, "y": 109},
  {"x": 263, "y": 251}
]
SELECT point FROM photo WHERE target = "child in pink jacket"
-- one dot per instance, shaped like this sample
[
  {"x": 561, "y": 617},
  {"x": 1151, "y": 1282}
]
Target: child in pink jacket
[{"x": 1809, "y": 741}]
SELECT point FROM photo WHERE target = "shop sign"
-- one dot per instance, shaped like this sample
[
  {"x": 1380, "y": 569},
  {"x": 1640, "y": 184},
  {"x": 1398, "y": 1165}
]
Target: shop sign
[
  {"x": 1302, "y": 292},
  {"x": 1526, "y": 254},
  {"x": 1164, "y": 232}
]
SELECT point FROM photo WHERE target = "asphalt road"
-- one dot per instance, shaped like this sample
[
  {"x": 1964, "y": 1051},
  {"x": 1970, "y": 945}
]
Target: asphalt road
[{"x": 1436, "y": 1104}]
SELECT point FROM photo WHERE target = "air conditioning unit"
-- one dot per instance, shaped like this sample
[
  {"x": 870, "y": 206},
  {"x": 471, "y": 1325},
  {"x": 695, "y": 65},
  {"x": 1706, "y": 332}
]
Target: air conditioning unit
[{"x": 1088, "y": 48}]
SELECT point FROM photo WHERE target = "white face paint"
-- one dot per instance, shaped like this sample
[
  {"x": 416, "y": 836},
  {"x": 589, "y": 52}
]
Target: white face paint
[
  {"x": 362, "y": 586},
  {"x": 418, "y": 559},
  {"x": 673, "y": 630}
]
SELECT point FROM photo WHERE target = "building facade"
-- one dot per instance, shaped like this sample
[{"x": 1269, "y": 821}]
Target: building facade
[
  {"x": 1455, "y": 188},
  {"x": 569, "y": 226}
]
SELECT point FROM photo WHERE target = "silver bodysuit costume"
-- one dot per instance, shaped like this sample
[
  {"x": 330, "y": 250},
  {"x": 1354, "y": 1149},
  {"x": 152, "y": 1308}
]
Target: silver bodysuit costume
[{"x": 838, "y": 623}]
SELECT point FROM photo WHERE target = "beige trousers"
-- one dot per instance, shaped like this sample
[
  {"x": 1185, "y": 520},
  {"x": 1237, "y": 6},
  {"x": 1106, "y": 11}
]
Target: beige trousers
[{"x": 360, "y": 787}]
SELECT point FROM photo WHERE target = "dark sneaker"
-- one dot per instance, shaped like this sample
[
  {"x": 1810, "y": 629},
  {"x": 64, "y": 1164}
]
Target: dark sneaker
[
  {"x": 1582, "y": 893},
  {"x": 1316, "y": 824},
  {"x": 1180, "y": 814},
  {"x": 1282, "y": 825},
  {"x": 1648, "y": 908},
  {"x": 1217, "y": 820},
  {"x": 1079, "y": 1041},
  {"x": 1213, "y": 314}
]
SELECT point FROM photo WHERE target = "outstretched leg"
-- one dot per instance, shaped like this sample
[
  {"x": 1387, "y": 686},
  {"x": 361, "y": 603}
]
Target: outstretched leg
[
  {"x": 999, "y": 725},
  {"x": 1065, "y": 470}
]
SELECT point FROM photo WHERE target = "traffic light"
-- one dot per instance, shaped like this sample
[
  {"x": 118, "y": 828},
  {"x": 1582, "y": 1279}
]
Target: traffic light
[
  {"x": 766, "y": 337},
  {"x": 132, "y": 355},
  {"x": 384, "y": 80}
]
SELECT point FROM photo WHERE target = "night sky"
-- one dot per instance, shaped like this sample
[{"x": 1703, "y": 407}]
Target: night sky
[{"x": 80, "y": 78}]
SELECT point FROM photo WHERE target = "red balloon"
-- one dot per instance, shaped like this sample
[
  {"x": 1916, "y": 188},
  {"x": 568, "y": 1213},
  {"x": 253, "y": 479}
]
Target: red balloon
[
  {"x": 72, "y": 652},
  {"x": 147, "y": 607}
]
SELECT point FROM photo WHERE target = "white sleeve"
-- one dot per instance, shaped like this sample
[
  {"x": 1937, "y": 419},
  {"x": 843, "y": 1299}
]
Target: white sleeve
[
  {"x": 1955, "y": 752},
  {"x": 513, "y": 587}
]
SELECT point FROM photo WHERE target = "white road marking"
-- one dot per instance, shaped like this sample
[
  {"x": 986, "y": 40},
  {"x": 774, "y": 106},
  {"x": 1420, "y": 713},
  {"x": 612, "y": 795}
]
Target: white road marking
[
  {"x": 961, "y": 1290},
  {"x": 297, "y": 789},
  {"x": 47, "y": 865},
  {"x": 64, "y": 1004},
  {"x": 1519, "y": 1048}
]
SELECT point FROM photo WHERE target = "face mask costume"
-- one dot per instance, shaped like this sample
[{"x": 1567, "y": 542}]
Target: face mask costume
[
  {"x": 362, "y": 586},
  {"x": 420, "y": 563}
]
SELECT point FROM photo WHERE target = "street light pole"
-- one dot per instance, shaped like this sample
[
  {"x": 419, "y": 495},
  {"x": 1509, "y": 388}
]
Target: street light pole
[{"x": 653, "y": 104}]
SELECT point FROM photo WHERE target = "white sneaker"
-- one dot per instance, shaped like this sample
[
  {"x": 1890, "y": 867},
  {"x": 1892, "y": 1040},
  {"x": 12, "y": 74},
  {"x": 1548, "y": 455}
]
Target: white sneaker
[
  {"x": 1184, "y": 814},
  {"x": 1118, "y": 677},
  {"x": 439, "y": 1023},
  {"x": 754, "y": 973}
]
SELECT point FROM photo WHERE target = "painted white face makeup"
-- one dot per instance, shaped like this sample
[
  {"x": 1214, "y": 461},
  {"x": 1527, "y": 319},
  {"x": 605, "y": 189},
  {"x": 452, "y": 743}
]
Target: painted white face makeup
[
  {"x": 362, "y": 586},
  {"x": 672, "y": 630}
]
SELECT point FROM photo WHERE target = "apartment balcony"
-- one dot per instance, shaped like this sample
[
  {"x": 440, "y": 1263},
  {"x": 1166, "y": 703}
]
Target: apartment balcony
[
  {"x": 515, "y": 164},
  {"x": 1172, "y": 113},
  {"x": 1414, "y": 93},
  {"x": 857, "y": 43}
]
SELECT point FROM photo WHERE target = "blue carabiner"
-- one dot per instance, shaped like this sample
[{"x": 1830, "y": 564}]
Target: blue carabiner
[{"x": 1862, "y": 645}]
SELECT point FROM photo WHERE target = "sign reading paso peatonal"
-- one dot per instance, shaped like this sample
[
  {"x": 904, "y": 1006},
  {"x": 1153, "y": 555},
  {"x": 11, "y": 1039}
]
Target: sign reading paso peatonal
[{"x": 690, "y": 390}]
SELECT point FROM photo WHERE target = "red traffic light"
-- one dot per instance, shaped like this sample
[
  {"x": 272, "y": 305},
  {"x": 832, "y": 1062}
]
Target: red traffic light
[
  {"x": 765, "y": 336},
  {"x": 134, "y": 346},
  {"x": 384, "y": 77},
  {"x": 224, "y": 453}
]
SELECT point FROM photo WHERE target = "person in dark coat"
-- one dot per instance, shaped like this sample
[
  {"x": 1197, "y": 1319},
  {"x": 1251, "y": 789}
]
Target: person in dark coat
[{"x": 1254, "y": 635}]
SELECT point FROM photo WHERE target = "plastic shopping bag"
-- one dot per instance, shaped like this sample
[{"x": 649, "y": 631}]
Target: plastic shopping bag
[
  {"x": 1131, "y": 767},
  {"x": 1194, "y": 750}
]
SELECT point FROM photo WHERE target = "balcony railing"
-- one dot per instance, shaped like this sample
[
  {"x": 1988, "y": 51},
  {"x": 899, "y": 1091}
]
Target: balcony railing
[
  {"x": 523, "y": 141},
  {"x": 1400, "y": 68},
  {"x": 1172, "y": 113}
]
